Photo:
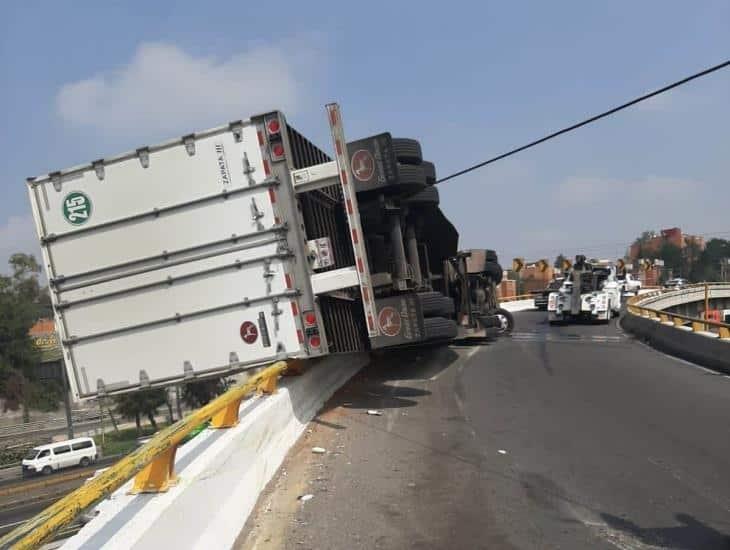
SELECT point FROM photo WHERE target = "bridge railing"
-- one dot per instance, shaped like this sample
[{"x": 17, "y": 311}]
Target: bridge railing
[
  {"x": 636, "y": 306},
  {"x": 152, "y": 464}
]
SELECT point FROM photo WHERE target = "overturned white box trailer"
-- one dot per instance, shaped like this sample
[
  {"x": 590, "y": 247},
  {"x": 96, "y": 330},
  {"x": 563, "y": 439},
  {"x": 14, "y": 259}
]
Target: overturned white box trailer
[
  {"x": 190, "y": 258},
  {"x": 234, "y": 247}
]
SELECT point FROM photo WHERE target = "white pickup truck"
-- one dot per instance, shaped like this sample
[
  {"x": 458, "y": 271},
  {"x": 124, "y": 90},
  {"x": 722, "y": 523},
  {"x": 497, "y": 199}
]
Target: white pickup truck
[
  {"x": 588, "y": 292},
  {"x": 628, "y": 284}
]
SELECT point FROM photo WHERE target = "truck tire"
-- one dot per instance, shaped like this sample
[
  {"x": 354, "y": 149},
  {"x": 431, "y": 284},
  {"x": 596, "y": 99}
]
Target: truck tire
[
  {"x": 508, "y": 321},
  {"x": 439, "y": 328},
  {"x": 407, "y": 151},
  {"x": 430, "y": 170},
  {"x": 435, "y": 304},
  {"x": 410, "y": 174},
  {"x": 47, "y": 470},
  {"x": 428, "y": 195}
]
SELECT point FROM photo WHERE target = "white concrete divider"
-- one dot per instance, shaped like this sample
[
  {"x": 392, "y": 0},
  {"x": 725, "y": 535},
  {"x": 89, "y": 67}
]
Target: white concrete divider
[
  {"x": 221, "y": 472},
  {"x": 518, "y": 305}
]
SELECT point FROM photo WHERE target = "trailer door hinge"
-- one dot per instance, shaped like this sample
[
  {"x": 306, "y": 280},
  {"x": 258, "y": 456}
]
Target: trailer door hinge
[
  {"x": 256, "y": 215},
  {"x": 268, "y": 275},
  {"x": 248, "y": 170},
  {"x": 275, "y": 312},
  {"x": 189, "y": 142}
]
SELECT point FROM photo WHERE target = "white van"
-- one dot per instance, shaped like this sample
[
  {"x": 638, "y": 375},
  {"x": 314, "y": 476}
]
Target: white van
[{"x": 55, "y": 456}]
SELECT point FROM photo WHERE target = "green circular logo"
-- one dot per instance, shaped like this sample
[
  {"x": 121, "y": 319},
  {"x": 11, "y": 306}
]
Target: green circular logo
[{"x": 77, "y": 208}]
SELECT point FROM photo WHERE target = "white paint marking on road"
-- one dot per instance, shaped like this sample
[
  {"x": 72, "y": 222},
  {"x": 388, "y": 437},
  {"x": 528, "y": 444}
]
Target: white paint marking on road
[
  {"x": 392, "y": 414},
  {"x": 12, "y": 524},
  {"x": 461, "y": 362}
]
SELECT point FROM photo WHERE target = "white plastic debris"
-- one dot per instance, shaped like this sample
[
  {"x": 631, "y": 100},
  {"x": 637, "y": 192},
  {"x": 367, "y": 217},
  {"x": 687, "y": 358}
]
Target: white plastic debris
[
  {"x": 502, "y": 452},
  {"x": 305, "y": 498},
  {"x": 319, "y": 450},
  {"x": 373, "y": 412}
]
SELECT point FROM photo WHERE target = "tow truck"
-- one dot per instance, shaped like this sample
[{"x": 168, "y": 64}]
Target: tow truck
[{"x": 589, "y": 291}]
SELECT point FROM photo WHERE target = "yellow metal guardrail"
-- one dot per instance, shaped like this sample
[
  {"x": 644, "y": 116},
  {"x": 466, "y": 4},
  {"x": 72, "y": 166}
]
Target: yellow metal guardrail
[
  {"x": 152, "y": 463},
  {"x": 697, "y": 325}
]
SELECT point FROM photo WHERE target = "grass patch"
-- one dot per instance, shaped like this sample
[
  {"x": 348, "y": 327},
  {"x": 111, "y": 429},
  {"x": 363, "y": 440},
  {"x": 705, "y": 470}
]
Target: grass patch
[{"x": 124, "y": 441}]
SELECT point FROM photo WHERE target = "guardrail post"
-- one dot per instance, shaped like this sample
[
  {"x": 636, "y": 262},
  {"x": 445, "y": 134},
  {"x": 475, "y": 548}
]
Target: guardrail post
[
  {"x": 663, "y": 317},
  {"x": 724, "y": 332},
  {"x": 158, "y": 476},
  {"x": 677, "y": 321},
  {"x": 268, "y": 384},
  {"x": 227, "y": 417},
  {"x": 696, "y": 326}
]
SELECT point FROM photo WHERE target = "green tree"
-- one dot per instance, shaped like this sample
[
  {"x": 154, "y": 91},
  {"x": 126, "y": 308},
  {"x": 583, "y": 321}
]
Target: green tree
[
  {"x": 197, "y": 394},
  {"x": 22, "y": 302},
  {"x": 707, "y": 266},
  {"x": 134, "y": 405}
]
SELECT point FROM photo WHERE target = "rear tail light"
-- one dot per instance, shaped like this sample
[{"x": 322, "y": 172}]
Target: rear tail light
[
  {"x": 311, "y": 330},
  {"x": 277, "y": 151},
  {"x": 273, "y": 126}
]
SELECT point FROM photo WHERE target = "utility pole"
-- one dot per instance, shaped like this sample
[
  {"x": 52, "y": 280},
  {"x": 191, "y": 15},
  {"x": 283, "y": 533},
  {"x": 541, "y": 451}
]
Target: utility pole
[{"x": 707, "y": 305}]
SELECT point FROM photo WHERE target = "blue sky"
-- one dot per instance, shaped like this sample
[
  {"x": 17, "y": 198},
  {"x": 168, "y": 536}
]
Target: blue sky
[{"x": 84, "y": 80}]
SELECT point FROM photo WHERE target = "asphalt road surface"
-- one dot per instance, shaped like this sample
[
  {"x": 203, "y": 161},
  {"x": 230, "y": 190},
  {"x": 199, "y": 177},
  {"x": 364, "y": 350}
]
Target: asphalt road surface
[{"x": 558, "y": 437}]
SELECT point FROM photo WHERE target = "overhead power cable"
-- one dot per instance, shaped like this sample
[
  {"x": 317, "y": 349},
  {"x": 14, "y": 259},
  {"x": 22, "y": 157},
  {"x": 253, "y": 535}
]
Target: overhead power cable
[{"x": 589, "y": 120}]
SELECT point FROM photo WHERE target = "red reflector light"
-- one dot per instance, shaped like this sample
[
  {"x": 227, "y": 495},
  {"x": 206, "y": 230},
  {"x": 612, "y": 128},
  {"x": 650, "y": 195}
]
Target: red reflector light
[
  {"x": 310, "y": 318},
  {"x": 278, "y": 150},
  {"x": 315, "y": 341},
  {"x": 273, "y": 126}
]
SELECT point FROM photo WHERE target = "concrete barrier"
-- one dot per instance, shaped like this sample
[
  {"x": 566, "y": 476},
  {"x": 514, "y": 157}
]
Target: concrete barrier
[
  {"x": 691, "y": 346},
  {"x": 221, "y": 472},
  {"x": 518, "y": 305}
]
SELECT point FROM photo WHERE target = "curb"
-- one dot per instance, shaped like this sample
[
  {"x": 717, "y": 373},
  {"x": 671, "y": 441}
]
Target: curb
[{"x": 708, "y": 352}]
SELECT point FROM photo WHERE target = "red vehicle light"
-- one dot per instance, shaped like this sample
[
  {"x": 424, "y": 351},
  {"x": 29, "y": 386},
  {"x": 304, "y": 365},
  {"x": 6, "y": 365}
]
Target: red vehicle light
[
  {"x": 315, "y": 341},
  {"x": 277, "y": 151},
  {"x": 310, "y": 319},
  {"x": 273, "y": 126}
]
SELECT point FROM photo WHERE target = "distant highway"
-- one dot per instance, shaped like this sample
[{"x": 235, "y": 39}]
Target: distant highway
[
  {"x": 21, "y": 500},
  {"x": 573, "y": 436}
]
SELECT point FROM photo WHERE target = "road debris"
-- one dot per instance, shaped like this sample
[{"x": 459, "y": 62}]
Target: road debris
[
  {"x": 305, "y": 498},
  {"x": 319, "y": 450},
  {"x": 373, "y": 412},
  {"x": 502, "y": 452}
]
